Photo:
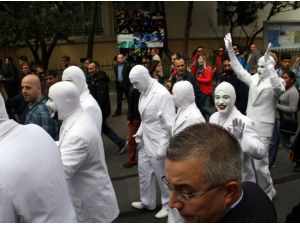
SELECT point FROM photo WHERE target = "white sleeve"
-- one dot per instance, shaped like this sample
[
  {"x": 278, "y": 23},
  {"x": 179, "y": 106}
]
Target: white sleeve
[
  {"x": 7, "y": 210},
  {"x": 238, "y": 69},
  {"x": 251, "y": 143},
  {"x": 73, "y": 155}
]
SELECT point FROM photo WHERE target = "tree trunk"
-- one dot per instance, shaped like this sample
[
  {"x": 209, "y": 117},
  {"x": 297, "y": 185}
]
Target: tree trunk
[
  {"x": 92, "y": 28},
  {"x": 166, "y": 48},
  {"x": 188, "y": 25}
]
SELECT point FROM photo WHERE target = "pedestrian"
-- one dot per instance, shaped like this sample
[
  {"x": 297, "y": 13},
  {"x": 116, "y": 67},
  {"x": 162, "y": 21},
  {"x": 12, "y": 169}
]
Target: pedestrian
[
  {"x": 203, "y": 171},
  {"x": 155, "y": 105},
  {"x": 98, "y": 84}
]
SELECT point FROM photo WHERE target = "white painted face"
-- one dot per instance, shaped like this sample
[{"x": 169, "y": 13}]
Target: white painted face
[
  {"x": 261, "y": 67},
  {"x": 223, "y": 102}
]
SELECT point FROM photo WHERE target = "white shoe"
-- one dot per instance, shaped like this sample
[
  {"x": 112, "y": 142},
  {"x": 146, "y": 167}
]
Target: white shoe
[
  {"x": 139, "y": 205},
  {"x": 272, "y": 193},
  {"x": 162, "y": 213}
]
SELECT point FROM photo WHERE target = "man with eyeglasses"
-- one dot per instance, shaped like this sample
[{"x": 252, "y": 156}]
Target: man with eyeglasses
[{"x": 203, "y": 171}]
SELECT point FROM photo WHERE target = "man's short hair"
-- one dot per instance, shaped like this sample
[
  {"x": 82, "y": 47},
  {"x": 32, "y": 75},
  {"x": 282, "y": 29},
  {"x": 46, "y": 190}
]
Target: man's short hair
[
  {"x": 96, "y": 64},
  {"x": 51, "y": 72},
  {"x": 217, "y": 149},
  {"x": 23, "y": 58},
  {"x": 179, "y": 57},
  {"x": 285, "y": 56},
  {"x": 66, "y": 57}
]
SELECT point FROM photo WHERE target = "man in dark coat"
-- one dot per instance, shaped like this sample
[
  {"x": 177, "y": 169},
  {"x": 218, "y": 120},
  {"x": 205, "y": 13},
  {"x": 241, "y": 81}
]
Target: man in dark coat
[
  {"x": 122, "y": 81},
  {"x": 98, "y": 83}
]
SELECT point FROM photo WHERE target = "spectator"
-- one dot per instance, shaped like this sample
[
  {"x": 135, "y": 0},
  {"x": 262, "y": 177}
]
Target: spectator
[
  {"x": 155, "y": 71},
  {"x": 122, "y": 81},
  {"x": 196, "y": 53},
  {"x": 241, "y": 58},
  {"x": 133, "y": 121},
  {"x": 294, "y": 153},
  {"x": 12, "y": 78},
  {"x": 22, "y": 60},
  {"x": 253, "y": 59},
  {"x": 183, "y": 74},
  {"x": 155, "y": 54},
  {"x": 286, "y": 108},
  {"x": 37, "y": 110},
  {"x": 204, "y": 76},
  {"x": 218, "y": 68},
  {"x": 65, "y": 62},
  {"x": 98, "y": 84},
  {"x": 204, "y": 174},
  {"x": 51, "y": 77}
]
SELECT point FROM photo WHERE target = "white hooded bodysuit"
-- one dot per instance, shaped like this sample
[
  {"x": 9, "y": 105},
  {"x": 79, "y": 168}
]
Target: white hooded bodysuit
[
  {"x": 250, "y": 141},
  {"x": 87, "y": 101},
  {"x": 33, "y": 188},
  {"x": 187, "y": 112},
  {"x": 153, "y": 137},
  {"x": 265, "y": 88},
  {"x": 83, "y": 158}
]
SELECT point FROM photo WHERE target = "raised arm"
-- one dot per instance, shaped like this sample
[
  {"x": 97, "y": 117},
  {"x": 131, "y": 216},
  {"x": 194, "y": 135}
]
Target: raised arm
[{"x": 238, "y": 69}]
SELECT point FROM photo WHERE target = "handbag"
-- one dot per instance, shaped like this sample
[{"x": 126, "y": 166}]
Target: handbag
[{"x": 288, "y": 126}]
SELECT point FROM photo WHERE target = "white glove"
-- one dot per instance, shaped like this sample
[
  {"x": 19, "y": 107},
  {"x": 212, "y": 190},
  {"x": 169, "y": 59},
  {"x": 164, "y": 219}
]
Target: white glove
[
  {"x": 138, "y": 140},
  {"x": 228, "y": 42},
  {"x": 238, "y": 128}
]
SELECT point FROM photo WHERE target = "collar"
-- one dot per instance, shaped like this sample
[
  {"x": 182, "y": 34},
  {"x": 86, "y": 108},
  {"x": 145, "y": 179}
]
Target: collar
[
  {"x": 32, "y": 105},
  {"x": 236, "y": 203}
]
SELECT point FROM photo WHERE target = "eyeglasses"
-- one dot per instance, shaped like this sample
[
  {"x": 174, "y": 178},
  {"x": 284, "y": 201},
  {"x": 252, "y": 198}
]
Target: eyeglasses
[{"x": 184, "y": 196}]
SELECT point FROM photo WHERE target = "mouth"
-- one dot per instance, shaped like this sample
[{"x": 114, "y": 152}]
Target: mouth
[{"x": 222, "y": 107}]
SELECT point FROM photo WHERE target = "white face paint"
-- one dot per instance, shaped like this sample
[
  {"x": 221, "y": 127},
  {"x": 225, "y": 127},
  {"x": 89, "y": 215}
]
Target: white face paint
[
  {"x": 223, "y": 102},
  {"x": 52, "y": 108}
]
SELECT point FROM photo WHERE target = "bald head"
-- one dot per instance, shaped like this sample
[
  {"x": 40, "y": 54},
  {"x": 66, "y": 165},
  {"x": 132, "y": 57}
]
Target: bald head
[{"x": 31, "y": 88}]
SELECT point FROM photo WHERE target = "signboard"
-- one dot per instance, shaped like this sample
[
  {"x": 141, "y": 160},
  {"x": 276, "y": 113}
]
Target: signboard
[
  {"x": 139, "y": 29},
  {"x": 282, "y": 34}
]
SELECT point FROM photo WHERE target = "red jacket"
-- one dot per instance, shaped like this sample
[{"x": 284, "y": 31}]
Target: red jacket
[{"x": 205, "y": 81}]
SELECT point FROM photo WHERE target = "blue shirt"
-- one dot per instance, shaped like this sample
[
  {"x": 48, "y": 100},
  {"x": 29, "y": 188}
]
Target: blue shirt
[
  {"x": 120, "y": 69},
  {"x": 38, "y": 114}
]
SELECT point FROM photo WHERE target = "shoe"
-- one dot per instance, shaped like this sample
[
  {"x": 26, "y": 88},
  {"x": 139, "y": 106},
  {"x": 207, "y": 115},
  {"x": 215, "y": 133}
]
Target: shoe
[
  {"x": 272, "y": 166},
  {"x": 162, "y": 213},
  {"x": 140, "y": 205},
  {"x": 123, "y": 147},
  {"x": 272, "y": 193},
  {"x": 127, "y": 165}
]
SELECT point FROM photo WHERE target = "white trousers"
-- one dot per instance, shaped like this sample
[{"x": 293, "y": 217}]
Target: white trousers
[
  {"x": 264, "y": 178},
  {"x": 151, "y": 170}
]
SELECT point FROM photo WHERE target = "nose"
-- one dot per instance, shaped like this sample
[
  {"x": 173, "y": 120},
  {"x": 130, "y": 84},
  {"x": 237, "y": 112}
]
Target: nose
[{"x": 174, "y": 202}]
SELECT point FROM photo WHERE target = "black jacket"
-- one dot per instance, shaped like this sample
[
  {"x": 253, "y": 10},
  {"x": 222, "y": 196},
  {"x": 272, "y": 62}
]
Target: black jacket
[
  {"x": 133, "y": 104},
  {"x": 98, "y": 85}
]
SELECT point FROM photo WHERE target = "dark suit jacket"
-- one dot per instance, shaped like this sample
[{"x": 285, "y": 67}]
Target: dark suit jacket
[{"x": 125, "y": 73}]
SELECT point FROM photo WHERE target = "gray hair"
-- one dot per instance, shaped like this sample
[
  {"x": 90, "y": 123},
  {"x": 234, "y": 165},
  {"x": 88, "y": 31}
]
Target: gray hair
[{"x": 217, "y": 149}]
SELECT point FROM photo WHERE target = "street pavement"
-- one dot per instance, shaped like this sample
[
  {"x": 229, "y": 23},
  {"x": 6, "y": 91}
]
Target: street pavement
[{"x": 125, "y": 180}]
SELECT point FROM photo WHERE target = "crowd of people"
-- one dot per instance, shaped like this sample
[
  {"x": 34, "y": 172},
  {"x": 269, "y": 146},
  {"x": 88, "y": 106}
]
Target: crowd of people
[{"x": 209, "y": 165}]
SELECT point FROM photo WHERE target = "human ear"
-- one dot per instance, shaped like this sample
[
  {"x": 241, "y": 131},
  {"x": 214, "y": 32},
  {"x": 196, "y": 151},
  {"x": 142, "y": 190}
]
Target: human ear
[{"x": 233, "y": 190}]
